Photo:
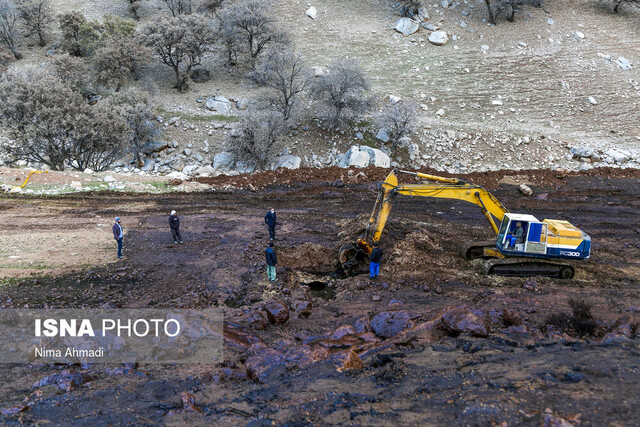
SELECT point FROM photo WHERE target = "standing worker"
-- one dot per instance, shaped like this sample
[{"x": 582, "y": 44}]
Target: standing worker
[
  {"x": 374, "y": 261},
  {"x": 272, "y": 262},
  {"x": 117, "y": 234},
  {"x": 270, "y": 220},
  {"x": 174, "y": 224}
]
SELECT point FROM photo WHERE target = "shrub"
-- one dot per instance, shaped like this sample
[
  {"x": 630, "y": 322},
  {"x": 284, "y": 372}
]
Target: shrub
[
  {"x": 8, "y": 27},
  {"x": 37, "y": 17},
  {"x": 398, "y": 120},
  {"x": 257, "y": 143}
]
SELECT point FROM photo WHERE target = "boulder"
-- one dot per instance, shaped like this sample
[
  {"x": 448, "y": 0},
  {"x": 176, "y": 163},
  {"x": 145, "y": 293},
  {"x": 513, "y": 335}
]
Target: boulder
[
  {"x": 463, "y": 320},
  {"x": 582, "y": 151},
  {"x": 148, "y": 165},
  {"x": 154, "y": 147},
  {"x": 200, "y": 75},
  {"x": 382, "y": 135},
  {"x": 288, "y": 161},
  {"x": 438, "y": 38},
  {"x": 312, "y": 12},
  {"x": 623, "y": 63},
  {"x": 177, "y": 175},
  {"x": 618, "y": 156},
  {"x": 219, "y": 104},
  {"x": 393, "y": 99},
  {"x": 223, "y": 161},
  {"x": 302, "y": 308},
  {"x": 262, "y": 362},
  {"x": 525, "y": 189},
  {"x": 190, "y": 169},
  {"x": 407, "y": 26},
  {"x": 277, "y": 311},
  {"x": 242, "y": 104},
  {"x": 390, "y": 323},
  {"x": 376, "y": 157},
  {"x": 244, "y": 167},
  {"x": 354, "y": 157},
  {"x": 205, "y": 171}
]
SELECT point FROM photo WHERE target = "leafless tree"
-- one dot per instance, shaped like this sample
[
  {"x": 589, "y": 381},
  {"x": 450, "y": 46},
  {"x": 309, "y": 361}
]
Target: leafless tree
[
  {"x": 342, "y": 92},
  {"x": 136, "y": 107},
  {"x": 179, "y": 7},
  {"x": 70, "y": 26},
  {"x": 5, "y": 59},
  {"x": 398, "y": 120},
  {"x": 212, "y": 7},
  {"x": 37, "y": 17},
  {"x": 117, "y": 61},
  {"x": 8, "y": 27},
  {"x": 73, "y": 72},
  {"x": 257, "y": 143},
  {"x": 508, "y": 8},
  {"x": 180, "y": 43},
  {"x": 284, "y": 72},
  {"x": 617, "y": 3},
  {"x": 250, "y": 26},
  {"x": 52, "y": 124}
]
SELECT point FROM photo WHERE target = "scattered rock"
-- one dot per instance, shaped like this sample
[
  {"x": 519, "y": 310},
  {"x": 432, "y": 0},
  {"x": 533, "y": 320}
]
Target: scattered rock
[
  {"x": 109, "y": 178},
  {"x": 525, "y": 189},
  {"x": 277, "y": 311},
  {"x": 312, "y": 12},
  {"x": 354, "y": 157},
  {"x": 463, "y": 320},
  {"x": 189, "y": 402},
  {"x": 618, "y": 156},
  {"x": 223, "y": 161},
  {"x": 347, "y": 361},
  {"x": 438, "y": 38},
  {"x": 390, "y": 323},
  {"x": 382, "y": 135},
  {"x": 407, "y": 26},
  {"x": 257, "y": 321},
  {"x": 623, "y": 63},
  {"x": 302, "y": 308},
  {"x": 376, "y": 157},
  {"x": 592, "y": 100},
  {"x": 550, "y": 21},
  {"x": 582, "y": 151},
  {"x": 242, "y": 104},
  {"x": 219, "y": 104},
  {"x": 288, "y": 161}
]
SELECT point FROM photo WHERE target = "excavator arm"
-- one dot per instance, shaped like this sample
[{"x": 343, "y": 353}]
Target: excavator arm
[{"x": 443, "y": 188}]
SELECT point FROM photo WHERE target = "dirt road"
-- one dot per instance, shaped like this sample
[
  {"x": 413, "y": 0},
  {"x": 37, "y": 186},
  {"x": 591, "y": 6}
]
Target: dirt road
[{"x": 430, "y": 341}]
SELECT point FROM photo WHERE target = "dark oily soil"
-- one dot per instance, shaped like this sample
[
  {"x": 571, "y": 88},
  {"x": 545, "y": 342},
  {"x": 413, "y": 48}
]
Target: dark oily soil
[{"x": 431, "y": 341}]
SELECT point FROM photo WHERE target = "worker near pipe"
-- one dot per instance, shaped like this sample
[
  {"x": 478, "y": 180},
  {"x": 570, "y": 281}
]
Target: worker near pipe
[{"x": 374, "y": 261}]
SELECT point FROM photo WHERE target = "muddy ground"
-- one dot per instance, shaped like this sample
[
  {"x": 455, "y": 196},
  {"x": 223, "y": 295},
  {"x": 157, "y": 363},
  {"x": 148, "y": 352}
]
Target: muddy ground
[{"x": 431, "y": 341}]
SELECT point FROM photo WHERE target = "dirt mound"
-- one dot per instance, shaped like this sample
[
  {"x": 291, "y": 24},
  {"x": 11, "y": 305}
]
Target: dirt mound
[{"x": 310, "y": 258}]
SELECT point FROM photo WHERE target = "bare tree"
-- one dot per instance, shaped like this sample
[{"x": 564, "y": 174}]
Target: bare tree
[
  {"x": 342, "y": 92},
  {"x": 180, "y": 43},
  {"x": 212, "y": 7},
  {"x": 8, "y": 27},
  {"x": 117, "y": 61},
  {"x": 5, "y": 59},
  {"x": 283, "y": 71},
  {"x": 179, "y": 7},
  {"x": 408, "y": 8},
  {"x": 70, "y": 26},
  {"x": 508, "y": 8},
  {"x": 257, "y": 143},
  {"x": 251, "y": 23},
  {"x": 73, "y": 72},
  {"x": 136, "y": 108},
  {"x": 617, "y": 3},
  {"x": 398, "y": 120},
  {"x": 37, "y": 16},
  {"x": 51, "y": 124}
]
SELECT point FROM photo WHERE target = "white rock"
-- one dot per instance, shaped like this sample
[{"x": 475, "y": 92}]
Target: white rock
[
  {"x": 317, "y": 71},
  {"x": 89, "y": 171},
  {"x": 440, "y": 112},
  {"x": 177, "y": 175},
  {"x": 190, "y": 169},
  {"x": 109, "y": 178},
  {"x": 484, "y": 47},
  {"x": 496, "y": 102},
  {"x": 376, "y": 157},
  {"x": 288, "y": 161},
  {"x": 550, "y": 21},
  {"x": 582, "y": 151},
  {"x": 354, "y": 157},
  {"x": 223, "y": 161},
  {"x": 438, "y": 38},
  {"x": 578, "y": 35},
  {"x": 525, "y": 189},
  {"x": 206, "y": 171},
  {"x": 592, "y": 100},
  {"x": 382, "y": 135},
  {"x": 312, "y": 12},
  {"x": 219, "y": 104},
  {"x": 618, "y": 156},
  {"x": 623, "y": 63},
  {"x": 407, "y": 26},
  {"x": 394, "y": 99}
]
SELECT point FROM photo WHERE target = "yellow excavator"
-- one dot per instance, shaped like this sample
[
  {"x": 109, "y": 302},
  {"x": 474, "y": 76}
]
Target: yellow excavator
[{"x": 524, "y": 246}]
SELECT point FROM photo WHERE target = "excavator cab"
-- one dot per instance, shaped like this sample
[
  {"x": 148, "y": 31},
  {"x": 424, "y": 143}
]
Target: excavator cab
[{"x": 548, "y": 238}]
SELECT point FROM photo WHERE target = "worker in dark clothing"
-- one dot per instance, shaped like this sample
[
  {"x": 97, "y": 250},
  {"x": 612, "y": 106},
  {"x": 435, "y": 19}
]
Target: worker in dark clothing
[
  {"x": 118, "y": 235},
  {"x": 174, "y": 224},
  {"x": 519, "y": 233},
  {"x": 270, "y": 220},
  {"x": 374, "y": 261},
  {"x": 272, "y": 262}
]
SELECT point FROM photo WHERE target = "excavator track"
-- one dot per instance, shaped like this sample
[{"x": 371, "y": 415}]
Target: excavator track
[{"x": 525, "y": 267}]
